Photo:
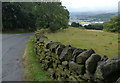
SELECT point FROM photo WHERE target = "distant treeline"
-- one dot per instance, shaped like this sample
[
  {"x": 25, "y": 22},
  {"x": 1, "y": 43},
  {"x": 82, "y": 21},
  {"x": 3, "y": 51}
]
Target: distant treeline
[
  {"x": 90, "y": 26},
  {"x": 113, "y": 25},
  {"x": 94, "y": 26},
  {"x": 34, "y": 15}
]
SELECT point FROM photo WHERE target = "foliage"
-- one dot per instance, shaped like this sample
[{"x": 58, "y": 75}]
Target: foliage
[
  {"x": 94, "y": 26},
  {"x": 34, "y": 15},
  {"x": 113, "y": 25},
  {"x": 15, "y": 18},
  {"x": 51, "y": 15},
  {"x": 74, "y": 24}
]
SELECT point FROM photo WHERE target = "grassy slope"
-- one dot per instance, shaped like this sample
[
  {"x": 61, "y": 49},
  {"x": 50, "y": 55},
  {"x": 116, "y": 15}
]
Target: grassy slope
[
  {"x": 33, "y": 70},
  {"x": 104, "y": 43}
]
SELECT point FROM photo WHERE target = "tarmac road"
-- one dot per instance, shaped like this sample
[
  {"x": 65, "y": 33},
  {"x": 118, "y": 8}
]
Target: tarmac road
[{"x": 13, "y": 46}]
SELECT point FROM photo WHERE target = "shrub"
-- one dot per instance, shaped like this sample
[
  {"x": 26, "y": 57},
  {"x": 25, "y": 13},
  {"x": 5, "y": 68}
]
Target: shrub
[{"x": 113, "y": 25}]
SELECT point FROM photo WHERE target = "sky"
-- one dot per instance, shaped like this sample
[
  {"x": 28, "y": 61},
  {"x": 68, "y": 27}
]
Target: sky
[{"x": 91, "y": 5}]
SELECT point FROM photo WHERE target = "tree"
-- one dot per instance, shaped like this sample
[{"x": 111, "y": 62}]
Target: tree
[
  {"x": 74, "y": 24},
  {"x": 15, "y": 18},
  {"x": 51, "y": 15},
  {"x": 34, "y": 15},
  {"x": 113, "y": 25}
]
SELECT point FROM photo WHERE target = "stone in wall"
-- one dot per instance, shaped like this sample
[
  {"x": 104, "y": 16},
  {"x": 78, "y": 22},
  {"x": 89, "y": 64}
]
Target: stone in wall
[
  {"x": 116, "y": 58},
  {"x": 74, "y": 67},
  {"x": 54, "y": 45},
  {"x": 103, "y": 59},
  {"x": 91, "y": 63},
  {"x": 118, "y": 80},
  {"x": 41, "y": 38},
  {"x": 51, "y": 72},
  {"x": 66, "y": 54},
  {"x": 65, "y": 64},
  {"x": 46, "y": 43},
  {"x": 76, "y": 52},
  {"x": 81, "y": 58},
  {"x": 109, "y": 70},
  {"x": 59, "y": 49}
]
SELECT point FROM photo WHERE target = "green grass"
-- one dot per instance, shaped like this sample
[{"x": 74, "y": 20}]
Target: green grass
[
  {"x": 104, "y": 43},
  {"x": 33, "y": 70}
]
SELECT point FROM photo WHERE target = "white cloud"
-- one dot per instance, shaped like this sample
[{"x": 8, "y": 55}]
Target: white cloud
[{"x": 91, "y": 5}]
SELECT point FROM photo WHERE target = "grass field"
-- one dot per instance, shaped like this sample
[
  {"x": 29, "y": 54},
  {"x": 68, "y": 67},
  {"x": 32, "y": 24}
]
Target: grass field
[
  {"x": 104, "y": 43},
  {"x": 33, "y": 70}
]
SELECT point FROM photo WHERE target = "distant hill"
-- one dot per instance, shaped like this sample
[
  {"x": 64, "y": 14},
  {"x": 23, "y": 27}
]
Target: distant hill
[
  {"x": 93, "y": 15},
  {"x": 104, "y": 17}
]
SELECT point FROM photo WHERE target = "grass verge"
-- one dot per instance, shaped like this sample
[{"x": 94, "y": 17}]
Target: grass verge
[{"x": 33, "y": 70}]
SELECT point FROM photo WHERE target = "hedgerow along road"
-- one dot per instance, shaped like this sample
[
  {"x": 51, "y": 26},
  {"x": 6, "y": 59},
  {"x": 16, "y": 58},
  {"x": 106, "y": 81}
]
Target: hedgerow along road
[{"x": 13, "y": 46}]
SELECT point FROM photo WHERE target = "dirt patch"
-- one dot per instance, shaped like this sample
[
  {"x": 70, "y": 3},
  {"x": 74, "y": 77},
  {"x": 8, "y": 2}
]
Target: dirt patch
[{"x": 95, "y": 30}]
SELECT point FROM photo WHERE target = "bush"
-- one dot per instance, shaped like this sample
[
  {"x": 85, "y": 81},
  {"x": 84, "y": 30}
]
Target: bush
[
  {"x": 113, "y": 25},
  {"x": 74, "y": 24}
]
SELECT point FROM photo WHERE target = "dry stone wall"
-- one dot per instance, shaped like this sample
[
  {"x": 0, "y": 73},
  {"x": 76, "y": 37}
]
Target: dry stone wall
[{"x": 67, "y": 63}]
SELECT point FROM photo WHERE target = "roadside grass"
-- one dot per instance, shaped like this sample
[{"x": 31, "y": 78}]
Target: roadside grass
[
  {"x": 104, "y": 43},
  {"x": 33, "y": 70}
]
